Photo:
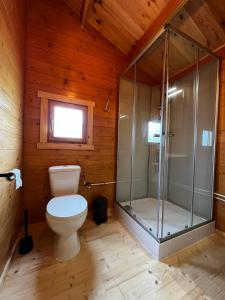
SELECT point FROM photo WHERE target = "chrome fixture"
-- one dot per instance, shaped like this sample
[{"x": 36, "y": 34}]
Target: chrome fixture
[{"x": 89, "y": 184}]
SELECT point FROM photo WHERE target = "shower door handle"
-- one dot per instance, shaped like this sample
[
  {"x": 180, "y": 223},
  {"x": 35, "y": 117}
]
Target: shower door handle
[
  {"x": 171, "y": 134},
  {"x": 156, "y": 135}
]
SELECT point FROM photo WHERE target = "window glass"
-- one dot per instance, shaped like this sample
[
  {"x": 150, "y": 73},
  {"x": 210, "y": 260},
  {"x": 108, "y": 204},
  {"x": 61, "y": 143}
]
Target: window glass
[
  {"x": 207, "y": 138},
  {"x": 68, "y": 122},
  {"x": 154, "y": 132}
]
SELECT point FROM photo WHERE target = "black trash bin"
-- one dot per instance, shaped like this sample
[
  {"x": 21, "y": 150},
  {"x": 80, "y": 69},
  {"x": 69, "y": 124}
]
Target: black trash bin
[{"x": 100, "y": 210}]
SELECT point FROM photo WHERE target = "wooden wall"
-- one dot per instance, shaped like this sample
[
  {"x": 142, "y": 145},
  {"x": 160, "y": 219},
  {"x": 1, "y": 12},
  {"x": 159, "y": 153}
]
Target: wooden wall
[
  {"x": 64, "y": 59},
  {"x": 12, "y": 30},
  {"x": 220, "y": 162}
]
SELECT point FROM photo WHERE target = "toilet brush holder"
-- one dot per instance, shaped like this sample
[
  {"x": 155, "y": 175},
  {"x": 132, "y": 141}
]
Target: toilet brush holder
[
  {"x": 26, "y": 243},
  {"x": 100, "y": 210}
]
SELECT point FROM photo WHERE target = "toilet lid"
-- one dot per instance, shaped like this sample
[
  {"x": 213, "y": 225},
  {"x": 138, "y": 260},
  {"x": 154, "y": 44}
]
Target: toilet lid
[{"x": 67, "y": 206}]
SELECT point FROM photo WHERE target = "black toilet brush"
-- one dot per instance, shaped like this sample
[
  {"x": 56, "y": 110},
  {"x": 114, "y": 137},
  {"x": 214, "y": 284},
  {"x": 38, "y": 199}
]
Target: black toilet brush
[{"x": 26, "y": 243}]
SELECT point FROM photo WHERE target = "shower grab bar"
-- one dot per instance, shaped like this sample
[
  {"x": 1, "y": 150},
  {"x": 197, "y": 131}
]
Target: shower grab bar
[
  {"x": 89, "y": 184},
  {"x": 8, "y": 176}
]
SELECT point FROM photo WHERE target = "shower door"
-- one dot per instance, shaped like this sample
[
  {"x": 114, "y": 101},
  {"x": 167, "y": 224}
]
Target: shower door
[
  {"x": 189, "y": 125},
  {"x": 180, "y": 113}
]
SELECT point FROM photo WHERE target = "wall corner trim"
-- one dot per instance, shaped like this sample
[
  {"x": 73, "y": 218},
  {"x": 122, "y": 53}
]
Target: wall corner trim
[{"x": 9, "y": 261}]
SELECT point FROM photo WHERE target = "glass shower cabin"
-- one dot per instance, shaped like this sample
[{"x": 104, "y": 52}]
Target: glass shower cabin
[{"x": 166, "y": 136}]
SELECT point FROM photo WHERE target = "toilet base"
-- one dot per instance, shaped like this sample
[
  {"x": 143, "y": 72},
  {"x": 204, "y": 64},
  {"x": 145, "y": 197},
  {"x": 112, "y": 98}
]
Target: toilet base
[{"x": 66, "y": 247}]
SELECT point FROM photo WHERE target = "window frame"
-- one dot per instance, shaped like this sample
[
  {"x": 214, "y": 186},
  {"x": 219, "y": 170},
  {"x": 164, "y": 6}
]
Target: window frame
[{"x": 45, "y": 141}]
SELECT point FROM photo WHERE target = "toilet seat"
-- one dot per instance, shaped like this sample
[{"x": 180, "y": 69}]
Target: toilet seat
[{"x": 66, "y": 207}]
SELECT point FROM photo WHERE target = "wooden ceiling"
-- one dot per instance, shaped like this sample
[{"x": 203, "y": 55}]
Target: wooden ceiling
[
  {"x": 204, "y": 21},
  {"x": 124, "y": 22}
]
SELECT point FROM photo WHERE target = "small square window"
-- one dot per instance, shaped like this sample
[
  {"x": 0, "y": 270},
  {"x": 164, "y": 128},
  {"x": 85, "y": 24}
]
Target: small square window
[
  {"x": 154, "y": 132},
  {"x": 67, "y": 123},
  {"x": 207, "y": 138}
]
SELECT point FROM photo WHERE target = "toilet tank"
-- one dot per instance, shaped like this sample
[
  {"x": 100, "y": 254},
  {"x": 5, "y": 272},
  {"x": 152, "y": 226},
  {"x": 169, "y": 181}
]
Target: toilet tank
[{"x": 64, "y": 180}]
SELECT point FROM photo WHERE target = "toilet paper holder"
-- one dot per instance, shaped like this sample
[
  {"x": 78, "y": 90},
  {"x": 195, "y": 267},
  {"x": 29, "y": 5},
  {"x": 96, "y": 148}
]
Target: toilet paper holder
[{"x": 8, "y": 176}]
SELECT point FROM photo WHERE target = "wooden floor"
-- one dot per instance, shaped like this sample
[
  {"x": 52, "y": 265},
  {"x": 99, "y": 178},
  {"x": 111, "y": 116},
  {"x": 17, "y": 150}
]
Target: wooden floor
[{"x": 112, "y": 265}]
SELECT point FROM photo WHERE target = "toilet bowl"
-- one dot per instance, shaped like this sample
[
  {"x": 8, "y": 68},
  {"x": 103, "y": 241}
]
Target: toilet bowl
[{"x": 65, "y": 213}]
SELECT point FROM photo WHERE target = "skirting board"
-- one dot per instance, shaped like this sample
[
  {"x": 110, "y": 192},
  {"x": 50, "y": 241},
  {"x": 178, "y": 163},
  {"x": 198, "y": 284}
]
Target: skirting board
[
  {"x": 164, "y": 249},
  {"x": 8, "y": 262}
]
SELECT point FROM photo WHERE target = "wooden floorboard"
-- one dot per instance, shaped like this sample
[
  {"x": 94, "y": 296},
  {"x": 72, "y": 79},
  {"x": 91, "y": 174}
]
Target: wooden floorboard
[{"x": 112, "y": 266}]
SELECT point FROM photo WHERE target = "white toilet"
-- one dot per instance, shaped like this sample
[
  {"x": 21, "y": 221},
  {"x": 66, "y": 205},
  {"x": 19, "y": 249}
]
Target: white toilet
[{"x": 67, "y": 211}]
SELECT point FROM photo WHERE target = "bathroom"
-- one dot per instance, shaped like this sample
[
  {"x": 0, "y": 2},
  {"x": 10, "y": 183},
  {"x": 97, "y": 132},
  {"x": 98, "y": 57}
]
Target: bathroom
[{"x": 148, "y": 79}]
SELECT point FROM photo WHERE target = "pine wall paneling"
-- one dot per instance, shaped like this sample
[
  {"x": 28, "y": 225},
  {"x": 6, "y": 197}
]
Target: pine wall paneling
[
  {"x": 12, "y": 31},
  {"x": 64, "y": 59},
  {"x": 220, "y": 162}
]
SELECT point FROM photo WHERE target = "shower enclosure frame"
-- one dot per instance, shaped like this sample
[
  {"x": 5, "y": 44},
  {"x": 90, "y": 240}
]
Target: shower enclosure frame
[{"x": 166, "y": 31}]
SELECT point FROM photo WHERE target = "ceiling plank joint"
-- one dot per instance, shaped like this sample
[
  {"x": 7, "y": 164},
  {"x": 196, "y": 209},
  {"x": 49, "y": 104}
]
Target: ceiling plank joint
[{"x": 85, "y": 7}]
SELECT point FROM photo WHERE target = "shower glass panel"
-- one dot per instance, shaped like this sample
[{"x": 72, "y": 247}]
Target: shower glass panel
[
  {"x": 125, "y": 127},
  {"x": 207, "y": 110},
  {"x": 147, "y": 119},
  {"x": 178, "y": 161}
]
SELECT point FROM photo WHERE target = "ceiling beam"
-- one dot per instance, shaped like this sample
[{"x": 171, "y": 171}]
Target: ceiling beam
[
  {"x": 155, "y": 28},
  {"x": 220, "y": 51},
  {"x": 84, "y": 11}
]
